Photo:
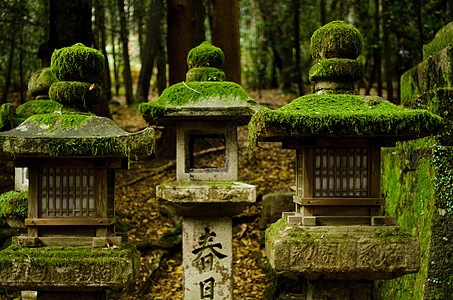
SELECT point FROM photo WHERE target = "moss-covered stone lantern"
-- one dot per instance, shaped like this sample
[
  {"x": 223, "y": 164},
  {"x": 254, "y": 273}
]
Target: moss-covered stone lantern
[
  {"x": 206, "y": 112},
  {"x": 71, "y": 246},
  {"x": 337, "y": 135}
]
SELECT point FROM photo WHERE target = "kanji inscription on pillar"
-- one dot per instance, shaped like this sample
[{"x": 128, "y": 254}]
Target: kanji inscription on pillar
[{"x": 208, "y": 258}]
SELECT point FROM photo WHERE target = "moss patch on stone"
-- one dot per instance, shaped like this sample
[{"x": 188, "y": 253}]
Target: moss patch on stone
[
  {"x": 7, "y": 116},
  {"x": 40, "y": 82},
  {"x": 67, "y": 256},
  {"x": 78, "y": 62},
  {"x": 205, "y": 55},
  {"x": 443, "y": 38},
  {"x": 205, "y": 74},
  {"x": 56, "y": 121},
  {"x": 197, "y": 94},
  {"x": 342, "y": 115},
  {"x": 336, "y": 39},
  {"x": 14, "y": 203},
  {"x": 74, "y": 93},
  {"x": 36, "y": 107},
  {"x": 339, "y": 69}
]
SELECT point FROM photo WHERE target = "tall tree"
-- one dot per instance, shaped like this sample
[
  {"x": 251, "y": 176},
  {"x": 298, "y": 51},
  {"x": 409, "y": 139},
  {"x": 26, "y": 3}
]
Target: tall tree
[
  {"x": 182, "y": 35},
  {"x": 70, "y": 23},
  {"x": 387, "y": 50},
  {"x": 127, "y": 76},
  {"x": 150, "y": 49},
  {"x": 225, "y": 34}
]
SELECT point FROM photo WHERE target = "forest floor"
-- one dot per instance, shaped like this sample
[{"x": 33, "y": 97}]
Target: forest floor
[{"x": 150, "y": 225}]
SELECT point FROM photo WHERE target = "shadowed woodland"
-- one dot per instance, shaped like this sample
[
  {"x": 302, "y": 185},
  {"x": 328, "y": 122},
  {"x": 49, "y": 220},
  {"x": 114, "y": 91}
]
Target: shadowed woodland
[{"x": 267, "y": 50}]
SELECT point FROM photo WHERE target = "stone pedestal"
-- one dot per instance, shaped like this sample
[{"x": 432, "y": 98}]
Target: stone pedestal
[
  {"x": 208, "y": 258},
  {"x": 207, "y": 208},
  {"x": 34, "y": 295}
]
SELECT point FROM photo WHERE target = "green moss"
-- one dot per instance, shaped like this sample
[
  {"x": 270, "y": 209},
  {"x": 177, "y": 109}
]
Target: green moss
[
  {"x": 443, "y": 181},
  {"x": 443, "y": 38},
  {"x": 205, "y": 55},
  {"x": 14, "y": 203},
  {"x": 407, "y": 185},
  {"x": 60, "y": 121},
  {"x": 339, "y": 69},
  {"x": 342, "y": 115},
  {"x": 205, "y": 74},
  {"x": 336, "y": 39},
  {"x": 74, "y": 93},
  {"x": 40, "y": 82},
  {"x": 7, "y": 116},
  {"x": 78, "y": 62},
  {"x": 36, "y": 107},
  {"x": 197, "y": 94},
  {"x": 66, "y": 256}
]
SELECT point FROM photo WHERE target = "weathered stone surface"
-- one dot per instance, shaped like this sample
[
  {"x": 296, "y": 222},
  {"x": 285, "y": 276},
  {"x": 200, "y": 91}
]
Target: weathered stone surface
[
  {"x": 443, "y": 38},
  {"x": 344, "y": 253},
  {"x": 93, "y": 136},
  {"x": 274, "y": 204},
  {"x": 67, "y": 270},
  {"x": 20, "y": 179},
  {"x": 206, "y": 198},
  {"x": 434, "y": 73},
  {"x": 208, "y": 258}
]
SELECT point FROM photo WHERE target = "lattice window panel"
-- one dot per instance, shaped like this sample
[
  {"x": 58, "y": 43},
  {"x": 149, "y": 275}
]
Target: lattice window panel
[
  {"x": 341, "y": 172},
  {"x": 67, "y": 192}
]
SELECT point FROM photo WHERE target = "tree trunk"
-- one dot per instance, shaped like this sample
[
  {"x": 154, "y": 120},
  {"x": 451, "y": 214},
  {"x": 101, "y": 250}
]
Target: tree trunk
[
  {"x": 322, "y": 7},
  {"x": 297, "y": 65},
  {"x": 21, "y": 70},
  {"x": 150, "y": 50},
  {"x": 377, "y": 51},
  {"x": 127, "y": 76},
  {"x": 102, "y": 108},
  {"x": 115, "y": 66},
  {"x": 9, "y": 69},
  {"x": 161, "y": 67},
  {"x": 225, "y": 34},
  {"x": 387, "y": 50},
  {"x": 179, "y": 38},
  {"x": 70, "y": 23},
  {"x": 418, "y": 8}
]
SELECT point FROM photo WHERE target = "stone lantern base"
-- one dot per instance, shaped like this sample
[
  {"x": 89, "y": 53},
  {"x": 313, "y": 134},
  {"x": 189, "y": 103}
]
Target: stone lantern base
[
  {"x": 82, "y": 271},
  {"x": 341, "y": 252}
]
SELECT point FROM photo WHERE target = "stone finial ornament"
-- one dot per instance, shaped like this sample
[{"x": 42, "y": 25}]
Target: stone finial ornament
[
  {"x": 204, "y": 62},
  {"x": 335, "y": 47}
]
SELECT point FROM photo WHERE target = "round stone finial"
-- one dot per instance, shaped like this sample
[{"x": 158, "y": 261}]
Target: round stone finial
[
  {"x": 78, "y": 63},
  {"x": 40, "y": 82},
  {"x": 336, "y": 40},
  {"x": 205, "y": 55}
]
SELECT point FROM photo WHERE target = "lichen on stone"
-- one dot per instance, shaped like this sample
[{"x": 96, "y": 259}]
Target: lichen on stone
[
  {"x": 77, "y": 62},
  {"x": 205, "y": 55},
  {"x": 336, "y": 40},
  {"x": 56, "y": 121}
]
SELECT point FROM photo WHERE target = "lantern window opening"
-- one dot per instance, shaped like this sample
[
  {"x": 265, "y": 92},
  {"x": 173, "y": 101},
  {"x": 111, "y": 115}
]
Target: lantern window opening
[
  {"x": 67, "y": 192},
  {"x": 341, "y": 172},
  {"x": 207, "y": 151}
]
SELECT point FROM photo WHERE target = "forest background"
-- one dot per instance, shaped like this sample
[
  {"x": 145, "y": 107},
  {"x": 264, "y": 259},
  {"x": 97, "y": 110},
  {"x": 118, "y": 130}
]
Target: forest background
[{"x": 266, "y": 42}]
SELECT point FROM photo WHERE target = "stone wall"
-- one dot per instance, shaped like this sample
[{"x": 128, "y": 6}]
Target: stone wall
[{"x": 417, "y": 181}]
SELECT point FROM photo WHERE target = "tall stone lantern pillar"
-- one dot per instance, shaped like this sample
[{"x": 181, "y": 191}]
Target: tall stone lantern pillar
[
  {"x": 337, "y": 240},
  {"x": 71, "y": 250},
  {"x": 206, "y": 112}
]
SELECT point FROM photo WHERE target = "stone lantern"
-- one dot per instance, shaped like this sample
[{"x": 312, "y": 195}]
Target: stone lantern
[
  {"x": 337, "y": 232},
  {"x": 71, "y": 156},
  {"x": 206, "y": 112}
]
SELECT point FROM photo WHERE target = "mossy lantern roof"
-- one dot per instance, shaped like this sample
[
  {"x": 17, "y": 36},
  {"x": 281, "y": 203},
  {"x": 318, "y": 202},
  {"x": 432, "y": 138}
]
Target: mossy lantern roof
[
  {"x": 203, "y": 96},
  {"x": 336, "y": 112},
  {"x": 68, "y": 131},
  {"x": 69, "y": 135}
]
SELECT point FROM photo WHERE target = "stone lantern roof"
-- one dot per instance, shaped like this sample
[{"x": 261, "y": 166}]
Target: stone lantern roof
[
  {"x": 71, "y": 131},
  {"x": 335, "y": 109},
  {"x": 204, "y": 95}
]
